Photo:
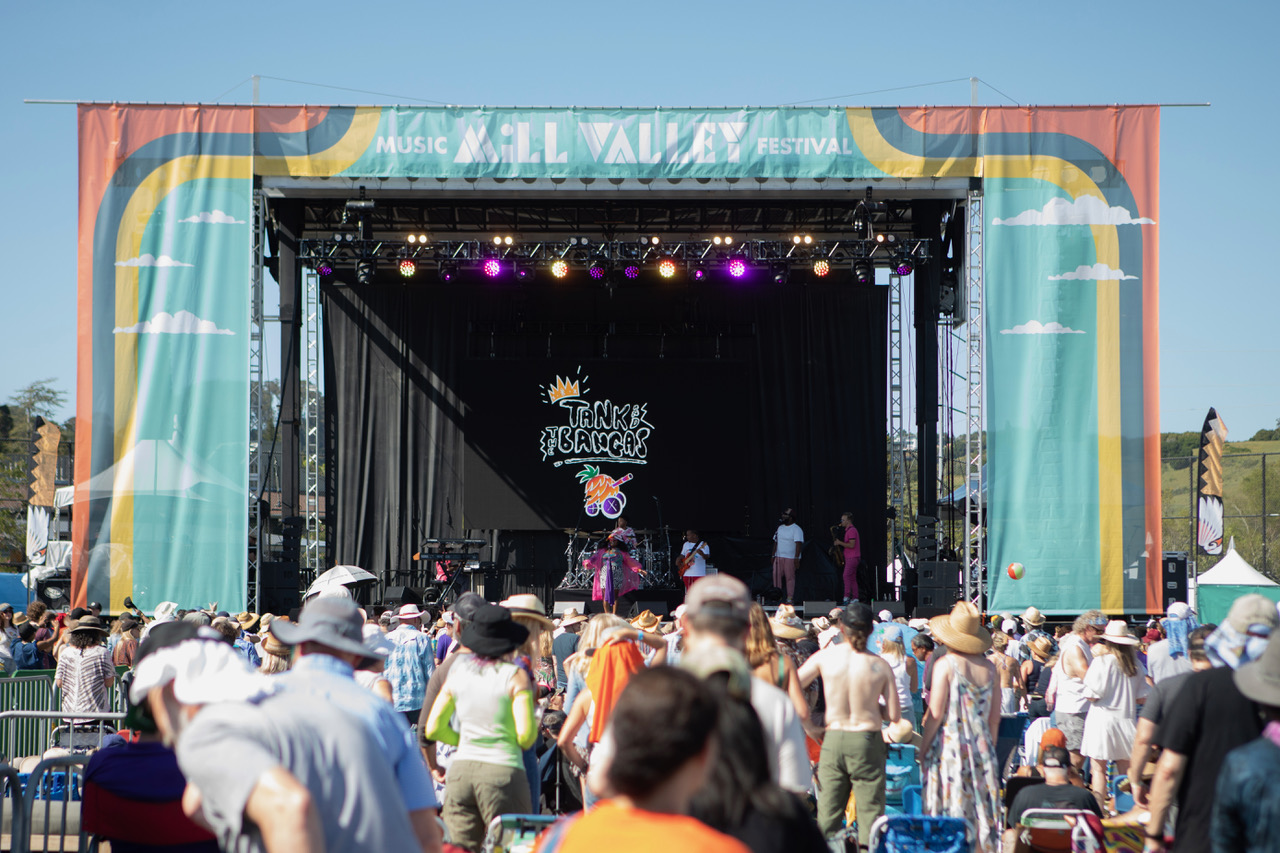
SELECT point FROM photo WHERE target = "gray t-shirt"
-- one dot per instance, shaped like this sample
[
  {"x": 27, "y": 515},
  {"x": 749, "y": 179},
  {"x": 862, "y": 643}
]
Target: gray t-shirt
[
  {"x": 1161, "y": 697},
  {"x": 228, "y": 747},
  {"x": 1161, "y": 665}
]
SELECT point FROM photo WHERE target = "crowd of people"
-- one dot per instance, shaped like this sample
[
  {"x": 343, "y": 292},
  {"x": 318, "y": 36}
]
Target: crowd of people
[{"x": 721, "y": 728}]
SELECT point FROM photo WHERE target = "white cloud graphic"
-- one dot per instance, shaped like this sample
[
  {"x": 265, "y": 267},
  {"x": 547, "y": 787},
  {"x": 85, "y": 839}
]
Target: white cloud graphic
[
  {"x": 1086, "y": 210},
  {"x": 1035, "y": 327},
  {"x": 152, "y": 261},
  {"x": 164, "y": 323},
  {"x": 213, "y": 217},
  {"x": 1097, "y": 272}
]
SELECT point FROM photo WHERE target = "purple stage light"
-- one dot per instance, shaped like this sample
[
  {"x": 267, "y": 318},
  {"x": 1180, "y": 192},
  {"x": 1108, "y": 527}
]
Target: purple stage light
[
  {"x": 699, "y": 273},
  {"x": 596, "y": 272},
  {"x": 737, "y": 268},
  {"x": 492, "y": 268},
  {"x": 903, "y": 267},
  {"x": 324, "y": 268},
  {"x": 631, "y": 271}
]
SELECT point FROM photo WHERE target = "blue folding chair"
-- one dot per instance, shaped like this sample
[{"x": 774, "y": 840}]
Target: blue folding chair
[
  {"x": 918, "y": 834},
  {"x": 900, "y": 771},
  {"x": 913, "y": 800}
]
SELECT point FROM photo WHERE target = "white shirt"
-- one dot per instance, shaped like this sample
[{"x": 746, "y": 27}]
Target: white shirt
[
  {"x": 787, "y": 538},
  {"x": 784, "y": 736},
  {"x": 699, "y": 567},
  {"x": 1071, "y": 696}
]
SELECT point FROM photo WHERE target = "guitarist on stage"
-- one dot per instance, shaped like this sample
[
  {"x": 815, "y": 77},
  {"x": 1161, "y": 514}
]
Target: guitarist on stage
[{"x": 693, "y": 558}]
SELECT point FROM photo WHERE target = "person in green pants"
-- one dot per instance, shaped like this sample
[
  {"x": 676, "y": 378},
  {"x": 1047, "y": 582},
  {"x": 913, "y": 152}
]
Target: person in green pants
[{"x": 854, "y": 681}]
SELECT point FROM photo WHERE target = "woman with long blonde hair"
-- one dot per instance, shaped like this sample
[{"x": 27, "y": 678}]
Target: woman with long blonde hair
[
  {"x": 769, "y": 664},
  {"x": 1115, "y": 684},
  {"x": 894, "y": 653}
]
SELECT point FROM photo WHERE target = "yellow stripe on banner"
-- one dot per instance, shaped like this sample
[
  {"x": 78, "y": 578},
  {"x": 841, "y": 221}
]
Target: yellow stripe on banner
[
  {"x": 333, "y": 160},
  {"x": 900, "y": 164},
  {"x": 133, "y": 226}
]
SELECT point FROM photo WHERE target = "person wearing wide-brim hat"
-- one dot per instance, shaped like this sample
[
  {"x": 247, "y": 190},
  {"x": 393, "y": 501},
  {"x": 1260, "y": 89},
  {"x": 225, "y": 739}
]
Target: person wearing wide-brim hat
[
  {"x": 492, "y": 700},
  {"x": 786, "y": 625},
  {"x": 1248, "y": 795},
  {"x": 85, "y": 673},
  {"x": 647, "y": 621},
  {"x": 958, "y": 753},
  {"x": 1114, "y": 684}
]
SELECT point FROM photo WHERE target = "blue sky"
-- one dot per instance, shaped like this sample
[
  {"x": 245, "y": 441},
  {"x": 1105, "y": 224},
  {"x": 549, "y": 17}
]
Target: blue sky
[{"x": 1219, "y": 282}]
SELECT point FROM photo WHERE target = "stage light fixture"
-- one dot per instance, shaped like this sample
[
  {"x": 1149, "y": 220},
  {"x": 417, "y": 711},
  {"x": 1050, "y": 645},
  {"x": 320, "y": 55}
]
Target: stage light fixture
[
  {"x": 560, "y": 268},
  {"x": 525, "y": 271},
  {"x": 699, "y": 272},
  {"x": 650, "y": 240},
  {"x": 631, "y": 270},
  {"x": 408, "y": 267},
  {"x": 723, "y": 240},
  {"x": 666, "y": 267},
  {"x": 447, "y": 272},
  {"x": 802, "y": 239},
  {"x": 903, "y": 266},
  {"x": 599, "y": 268},
  {"x": 419, "y": 239},
  {"x": 863, "y": 272},
  {"x": 737, "y": 267},
  {"x": 366, "y": 271},
  {"x": 324, "y": 268},
  {"x": 492, "y": 267},
  {"x": 821, "y": 267},
  {"x": 881, "y": 238},
  {"x": 781, "y": 272}
]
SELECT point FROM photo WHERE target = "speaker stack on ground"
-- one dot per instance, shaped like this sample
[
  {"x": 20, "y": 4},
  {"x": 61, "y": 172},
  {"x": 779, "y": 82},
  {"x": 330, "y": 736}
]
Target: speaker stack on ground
[
  {"x": 1173, "y": 577},
  {"x": 937, "y": 587},
  {"x": 818, "y": 608}
]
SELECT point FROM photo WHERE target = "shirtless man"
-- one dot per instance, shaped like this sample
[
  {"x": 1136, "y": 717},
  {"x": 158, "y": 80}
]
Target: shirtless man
[
  {"x": 1010, "y": 675},
  {"x": 854, "y": 682}
]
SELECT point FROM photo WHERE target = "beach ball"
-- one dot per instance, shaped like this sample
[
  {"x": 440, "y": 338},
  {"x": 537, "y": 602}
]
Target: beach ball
[{"x": 1016, "y": 570}]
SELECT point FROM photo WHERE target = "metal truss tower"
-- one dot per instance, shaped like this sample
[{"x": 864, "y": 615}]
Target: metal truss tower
[
  {"x": 897, "y": 453},
  {"x": 975, "y": 509},
  {"x": 311, "y": 559},
  {"x": 259, "y": 410}
]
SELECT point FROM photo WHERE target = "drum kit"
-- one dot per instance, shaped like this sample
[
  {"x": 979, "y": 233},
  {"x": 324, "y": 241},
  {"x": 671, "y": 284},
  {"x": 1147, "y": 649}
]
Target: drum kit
[{"x": 651, "y": 552}]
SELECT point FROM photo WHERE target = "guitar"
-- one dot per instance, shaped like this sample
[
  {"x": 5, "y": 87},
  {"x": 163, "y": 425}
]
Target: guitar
[{"x": 685, "y": 563}]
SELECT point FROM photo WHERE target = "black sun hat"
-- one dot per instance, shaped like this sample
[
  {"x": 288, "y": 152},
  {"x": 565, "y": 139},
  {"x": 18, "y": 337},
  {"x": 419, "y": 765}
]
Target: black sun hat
[{"x": 492, "y": 632}]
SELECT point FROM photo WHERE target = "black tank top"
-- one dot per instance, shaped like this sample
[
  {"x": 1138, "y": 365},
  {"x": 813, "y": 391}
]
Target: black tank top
[{"x": 1041, "y": 675}]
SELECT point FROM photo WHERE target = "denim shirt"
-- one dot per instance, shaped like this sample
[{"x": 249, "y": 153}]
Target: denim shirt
[
  {"x": 324, "y": 676},
  {"x": 1246, "y": 810},
  {"x": 409, "y": 667}
]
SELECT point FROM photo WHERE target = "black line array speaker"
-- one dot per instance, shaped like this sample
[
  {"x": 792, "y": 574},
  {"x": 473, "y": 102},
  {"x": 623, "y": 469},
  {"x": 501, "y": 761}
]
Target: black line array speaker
[
  {"x": 895, "y": 608},
  {"x": 395, "y": 596},
  {"x": 1173, "y": 577},
  {"x": 657, "y": 608},
  {"x": 938, "y": 575},
  {"x": 280, "y": 593},
  {"x": 819, "y": 608}
]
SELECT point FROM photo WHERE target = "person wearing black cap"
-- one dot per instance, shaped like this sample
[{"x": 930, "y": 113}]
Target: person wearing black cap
[
  {"x": 328, "y": 642},
  {"x": 854, "y": 683},
  {"x": 492, "y": 700},
  {"x": 464, "y": 610},
  {"x": 85, "y": 673}
]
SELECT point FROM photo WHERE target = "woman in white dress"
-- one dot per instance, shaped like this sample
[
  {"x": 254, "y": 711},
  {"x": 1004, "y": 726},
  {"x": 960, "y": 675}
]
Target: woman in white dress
[{"x": 1114, "y": 685}]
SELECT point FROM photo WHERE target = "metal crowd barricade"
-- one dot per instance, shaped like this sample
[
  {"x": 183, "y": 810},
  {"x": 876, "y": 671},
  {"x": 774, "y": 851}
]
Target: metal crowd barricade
[
  {"x": 52, "y": 806},
  {"x": 88, "y": 730},
  {"x": 22, "y": 695},
  {"x": 13, "y": 815}
]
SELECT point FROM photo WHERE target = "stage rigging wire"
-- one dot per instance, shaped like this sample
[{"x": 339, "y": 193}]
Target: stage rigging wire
[{"x": 903, "y": 89}]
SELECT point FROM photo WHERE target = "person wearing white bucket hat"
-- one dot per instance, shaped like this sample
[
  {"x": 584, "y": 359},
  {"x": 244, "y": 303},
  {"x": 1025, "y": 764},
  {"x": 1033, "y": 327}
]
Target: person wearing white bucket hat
[
  {"x": 410, "y": 664},
  {"x": 1114, "y": 685}
]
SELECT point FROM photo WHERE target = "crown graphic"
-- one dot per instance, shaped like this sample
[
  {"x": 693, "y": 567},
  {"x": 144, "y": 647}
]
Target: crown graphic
[{"x": 562, "y": 389}]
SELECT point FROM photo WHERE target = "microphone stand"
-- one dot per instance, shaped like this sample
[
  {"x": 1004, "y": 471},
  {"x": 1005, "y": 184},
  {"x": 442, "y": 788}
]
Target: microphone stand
[{"x": 666, "y": 537}]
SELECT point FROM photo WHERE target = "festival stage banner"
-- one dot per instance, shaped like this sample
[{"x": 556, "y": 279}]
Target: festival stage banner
[
  {"x": 1070, "y": 258},
  {"x": 1209, "y": 510}
]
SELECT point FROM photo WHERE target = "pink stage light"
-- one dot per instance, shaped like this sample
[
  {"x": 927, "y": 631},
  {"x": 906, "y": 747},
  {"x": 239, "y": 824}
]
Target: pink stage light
[
  {"x": 492, "y": 268},
  {"x": 737, "y": 268}
]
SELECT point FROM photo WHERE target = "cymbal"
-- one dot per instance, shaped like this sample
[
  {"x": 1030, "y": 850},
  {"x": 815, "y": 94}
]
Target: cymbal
[{"x": 578, "y": 534}]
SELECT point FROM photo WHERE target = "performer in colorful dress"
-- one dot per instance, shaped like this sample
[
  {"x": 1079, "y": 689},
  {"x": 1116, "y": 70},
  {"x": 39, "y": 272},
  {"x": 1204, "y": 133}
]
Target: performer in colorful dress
[{"x": 616, "y": 571}]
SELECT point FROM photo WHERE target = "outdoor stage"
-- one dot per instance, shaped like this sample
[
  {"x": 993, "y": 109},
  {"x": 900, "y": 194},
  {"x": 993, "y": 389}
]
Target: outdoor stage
[{"x": 1026, "y": 238}]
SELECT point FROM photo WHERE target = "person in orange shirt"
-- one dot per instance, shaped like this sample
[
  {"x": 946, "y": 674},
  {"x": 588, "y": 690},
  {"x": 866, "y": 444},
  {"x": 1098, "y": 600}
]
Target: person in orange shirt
[{"x": 661, "y": 730}]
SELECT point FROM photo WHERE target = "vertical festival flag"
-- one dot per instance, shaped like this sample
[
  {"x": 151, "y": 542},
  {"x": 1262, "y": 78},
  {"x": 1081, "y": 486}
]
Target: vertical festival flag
[{"x": 1209, "y": 504}]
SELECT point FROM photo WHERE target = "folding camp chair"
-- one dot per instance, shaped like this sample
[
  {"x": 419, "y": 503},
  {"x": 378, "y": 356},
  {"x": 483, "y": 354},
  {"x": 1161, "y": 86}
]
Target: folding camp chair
[
  {"x": 918, "y": 834},
  {"x": 516, "y": 833},
  {"x": 1049, "y": 830}
]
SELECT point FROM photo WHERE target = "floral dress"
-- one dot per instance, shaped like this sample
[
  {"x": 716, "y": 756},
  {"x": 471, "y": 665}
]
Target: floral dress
[{"x": 961, "y": 772}]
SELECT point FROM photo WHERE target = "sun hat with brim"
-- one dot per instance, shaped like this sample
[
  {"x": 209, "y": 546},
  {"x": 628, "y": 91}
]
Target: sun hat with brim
[
  {"x": 1118, "y": 632},
  {"x": 1033, "y": 617},
  {"x": 409, "y": 612},
  {"x": 492, "y": 633},
  {"x": 961, "y": 630},
  {"x": 246, "y": 620},
  {"x": 574, "y": 618},
  {"x": 1042, "y": 646},
  {"x": 786, "y": 624},
  {"x": 647, "y": 621},
  {"x": 1259, "y": 680},
  {"x": 332, "y": 622},
  {"x": 529, "y": 606},
  {"x": 273, "y": 646},
  {"x": 19, "y": 619},
  {"x": 88, "y": 625}
]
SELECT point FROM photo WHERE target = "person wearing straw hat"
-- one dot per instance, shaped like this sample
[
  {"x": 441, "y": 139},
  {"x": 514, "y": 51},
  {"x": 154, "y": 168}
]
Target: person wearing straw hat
[
  {"x": 1246, "y": 814},
  {"x": 85, "y": 673},
  {"x": 491, "y": 699},
  {"x": 958, "y": 754},
  {"x": 563, "y": 646},
  {"x": 409, "y": 667},
  {"x": 1114, "y": 685}
]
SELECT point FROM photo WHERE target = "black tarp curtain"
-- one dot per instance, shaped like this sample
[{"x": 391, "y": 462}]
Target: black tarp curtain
[{"x": 816, "y": 380}]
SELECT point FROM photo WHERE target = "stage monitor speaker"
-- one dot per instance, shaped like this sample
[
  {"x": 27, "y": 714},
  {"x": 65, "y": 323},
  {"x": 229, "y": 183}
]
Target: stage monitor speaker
[
  {"x": 657, "y": 608},
  {"x": 939, "y": 600},
  {"x": 937, "y": 575},
  {"x": 928, "y": 611},
  {"x": 818, "y": 608},
  {"x": 492, "y": 582},
  {"x": 395, "y": 596},
  {"x": 895, "y": 608},
  {"x": 280, "y": 592},
  {"x": 1173, "y": 578}
]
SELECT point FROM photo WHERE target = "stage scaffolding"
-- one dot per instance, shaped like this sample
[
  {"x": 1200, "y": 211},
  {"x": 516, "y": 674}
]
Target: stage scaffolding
[
  {"x": 975, "y": 510},
  {"x": 259, "y": 408}
]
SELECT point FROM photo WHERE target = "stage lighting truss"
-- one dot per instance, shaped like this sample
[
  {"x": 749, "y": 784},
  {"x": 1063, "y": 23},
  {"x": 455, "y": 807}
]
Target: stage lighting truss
[{"x": 615, "y": 262}]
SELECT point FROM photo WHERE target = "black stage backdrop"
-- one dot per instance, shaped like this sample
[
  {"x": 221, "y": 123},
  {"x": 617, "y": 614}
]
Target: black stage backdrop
[{"x": 740, "y": 398}]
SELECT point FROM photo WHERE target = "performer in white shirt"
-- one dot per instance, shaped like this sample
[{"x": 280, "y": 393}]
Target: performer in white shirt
[
  {"x": 788, "y": 540},
  {"x": 693, "y": 558}
]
